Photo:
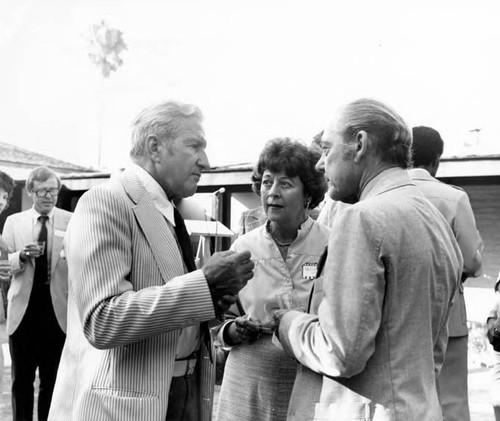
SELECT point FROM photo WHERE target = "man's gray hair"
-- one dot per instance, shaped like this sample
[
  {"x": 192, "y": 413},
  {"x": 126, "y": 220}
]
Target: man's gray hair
[
  {"x": 162, "y": 120},
  {"x": 41, "y": 174},
  {"x": 392, "y": 136}
]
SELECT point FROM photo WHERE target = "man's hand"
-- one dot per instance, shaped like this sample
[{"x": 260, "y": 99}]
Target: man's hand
[
  {"x": 226, "y": 273},
  {"x": 30, "y": 250},
  {"x": 246, "y": 329}
]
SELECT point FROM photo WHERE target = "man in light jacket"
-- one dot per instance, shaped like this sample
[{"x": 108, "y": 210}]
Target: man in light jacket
[
  {"x": 374, "y": 339},
  {"x": 454, "y": 205},
  {"x": 38, "y": 294}
]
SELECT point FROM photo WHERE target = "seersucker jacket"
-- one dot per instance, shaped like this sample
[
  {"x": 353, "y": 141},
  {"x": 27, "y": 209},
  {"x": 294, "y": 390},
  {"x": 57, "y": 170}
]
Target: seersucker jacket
[{"x": 129, "y": 298}]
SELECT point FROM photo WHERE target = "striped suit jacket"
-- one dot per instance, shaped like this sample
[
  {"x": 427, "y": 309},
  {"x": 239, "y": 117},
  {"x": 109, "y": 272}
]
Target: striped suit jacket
[{"x": 128, "y": 300}]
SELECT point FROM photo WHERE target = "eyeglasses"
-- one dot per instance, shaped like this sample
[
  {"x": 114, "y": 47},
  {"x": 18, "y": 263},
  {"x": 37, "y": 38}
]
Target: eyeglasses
[{"x": 43, "y": 192}]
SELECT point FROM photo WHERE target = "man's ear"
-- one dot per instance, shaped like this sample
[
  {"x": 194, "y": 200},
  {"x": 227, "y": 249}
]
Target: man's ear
[
  {"x": 153, "y": 147},
  {"x": 433, "y": 166},
  {"x": 362, "y": 145}
]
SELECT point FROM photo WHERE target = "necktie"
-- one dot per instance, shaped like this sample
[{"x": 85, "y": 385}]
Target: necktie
[
  {"x": 187, "y": 255},
  {"x": 41, "y": 264},
  {"x": 184, "y": 241}
]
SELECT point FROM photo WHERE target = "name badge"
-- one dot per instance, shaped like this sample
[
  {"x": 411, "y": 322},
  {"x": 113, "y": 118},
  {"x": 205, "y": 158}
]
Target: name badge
[
  {"x": 59, "y": 233},
  {"x": 309, "y": 270}
]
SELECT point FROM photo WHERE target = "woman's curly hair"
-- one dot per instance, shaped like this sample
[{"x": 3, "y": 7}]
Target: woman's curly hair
[
  {"x": 7, "y": 183},
  {"x": 294, "y": 159}
]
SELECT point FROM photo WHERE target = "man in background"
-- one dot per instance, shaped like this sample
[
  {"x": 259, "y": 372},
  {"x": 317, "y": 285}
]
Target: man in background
[
  {"x": 138, "y": 345},
  {"x": 36, "y": 312},
  {"x": 454, "y": 205},
  {"x": 373, "y": 341}
]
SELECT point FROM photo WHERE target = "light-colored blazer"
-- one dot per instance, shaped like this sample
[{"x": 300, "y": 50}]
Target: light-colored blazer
[
  {"x": 454, "y": 205},
  {"x": 373, "y": 344},
  {"x": 17, "y": 232},
  {"x": 128, "y": 301}
]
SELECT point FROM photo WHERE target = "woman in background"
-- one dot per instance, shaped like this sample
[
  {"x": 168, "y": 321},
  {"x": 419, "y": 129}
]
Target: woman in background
[
  {"x": 6, "y": 190},
  {"x": 259, "y": 376},
  {"x": 493, "y": 333}
]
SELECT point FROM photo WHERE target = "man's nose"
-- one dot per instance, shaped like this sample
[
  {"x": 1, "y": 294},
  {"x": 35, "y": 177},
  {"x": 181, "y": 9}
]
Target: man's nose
[
  {"x": 320, "y": 165},
  {"x": 203, "y": 161}
]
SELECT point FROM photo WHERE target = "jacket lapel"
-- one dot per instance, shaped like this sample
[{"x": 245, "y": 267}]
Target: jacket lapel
[
  {"x": 57, "y": 239},
  {"x": 155, "y": 228}
]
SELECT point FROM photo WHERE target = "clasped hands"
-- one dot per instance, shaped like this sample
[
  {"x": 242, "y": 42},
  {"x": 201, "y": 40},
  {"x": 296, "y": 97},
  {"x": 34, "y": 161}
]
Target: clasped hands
[
  {"x": 227, "y": 272},
  {"x": 244, "y": 329},
  {"x": 247, "y": 329}
]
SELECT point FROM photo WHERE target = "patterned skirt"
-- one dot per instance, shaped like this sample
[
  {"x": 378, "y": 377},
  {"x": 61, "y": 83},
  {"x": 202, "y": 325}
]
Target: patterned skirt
[{"x": 257, "y": 383}]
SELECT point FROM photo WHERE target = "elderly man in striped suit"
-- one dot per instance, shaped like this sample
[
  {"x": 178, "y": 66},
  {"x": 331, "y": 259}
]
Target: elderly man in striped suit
[{"x": 138, "y": 346}]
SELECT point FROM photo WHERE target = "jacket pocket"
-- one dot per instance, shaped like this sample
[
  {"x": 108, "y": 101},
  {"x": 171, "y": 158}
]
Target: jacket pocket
[{"x": 123, "y": 404}]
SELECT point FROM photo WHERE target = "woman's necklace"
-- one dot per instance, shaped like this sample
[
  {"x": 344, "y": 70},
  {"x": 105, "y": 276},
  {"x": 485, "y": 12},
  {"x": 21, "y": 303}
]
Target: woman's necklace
[
  {"x": 278, "y": 242},
  {"x": 281, "y": 243}
]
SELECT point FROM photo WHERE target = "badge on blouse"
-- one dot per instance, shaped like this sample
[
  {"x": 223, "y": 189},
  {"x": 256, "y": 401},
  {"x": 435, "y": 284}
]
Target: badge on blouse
[{"x": 309, "y": 270}]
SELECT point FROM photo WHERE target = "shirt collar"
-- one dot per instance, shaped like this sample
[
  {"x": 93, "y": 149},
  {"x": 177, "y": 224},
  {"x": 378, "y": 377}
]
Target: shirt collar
[
  {"x": 155, "y": 191},
  {"x": 387, "y": 180},
  {"x": 420, "y": 174},
  {"x": 302, "y": 231},
  {"x": 35, "y": 214}
]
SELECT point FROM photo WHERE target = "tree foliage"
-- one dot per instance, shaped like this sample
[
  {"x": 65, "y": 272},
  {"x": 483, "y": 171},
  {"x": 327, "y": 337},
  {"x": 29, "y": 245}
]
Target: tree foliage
[{"x": 106, "y": 45}]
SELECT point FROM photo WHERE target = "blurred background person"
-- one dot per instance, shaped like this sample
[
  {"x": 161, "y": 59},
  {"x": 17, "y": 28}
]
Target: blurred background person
[
  {"x": 493, "y": 334},
  {"x": 454, "y": 205},
  {"x": 251, "y": 219},
  {"x": 259, "y": 376},
  {"x": 38, "y": 294},
  {"x": 330, "y": 211},
  {"x": 6, "y": 189}
]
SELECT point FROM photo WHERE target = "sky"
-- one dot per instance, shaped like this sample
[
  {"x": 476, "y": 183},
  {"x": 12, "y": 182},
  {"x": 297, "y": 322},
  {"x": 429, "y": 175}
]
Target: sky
[{"x": 257, "y": 69}]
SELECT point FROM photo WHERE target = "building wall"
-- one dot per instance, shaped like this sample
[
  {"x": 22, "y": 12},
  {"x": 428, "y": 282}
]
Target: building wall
[{"x": 485, "y": 201}]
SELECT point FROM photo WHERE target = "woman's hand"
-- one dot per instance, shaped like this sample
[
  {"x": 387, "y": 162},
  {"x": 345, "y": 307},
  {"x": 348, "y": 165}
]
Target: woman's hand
[{"x": 245, "y": 329}]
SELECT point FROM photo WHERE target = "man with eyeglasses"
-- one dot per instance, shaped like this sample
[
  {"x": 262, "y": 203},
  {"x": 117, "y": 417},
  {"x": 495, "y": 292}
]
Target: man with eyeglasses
[{"x": 36, "y": 315}]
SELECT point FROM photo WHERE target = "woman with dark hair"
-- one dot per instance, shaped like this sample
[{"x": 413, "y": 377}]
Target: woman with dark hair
[
  {"x": 6, "y": 189},
  {"x": 259, "y": 376},
  {"x": 493, "y": 335}
]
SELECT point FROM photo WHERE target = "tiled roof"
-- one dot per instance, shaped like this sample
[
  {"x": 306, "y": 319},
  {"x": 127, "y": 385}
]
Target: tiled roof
[{"x": 13, "y": 155}]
